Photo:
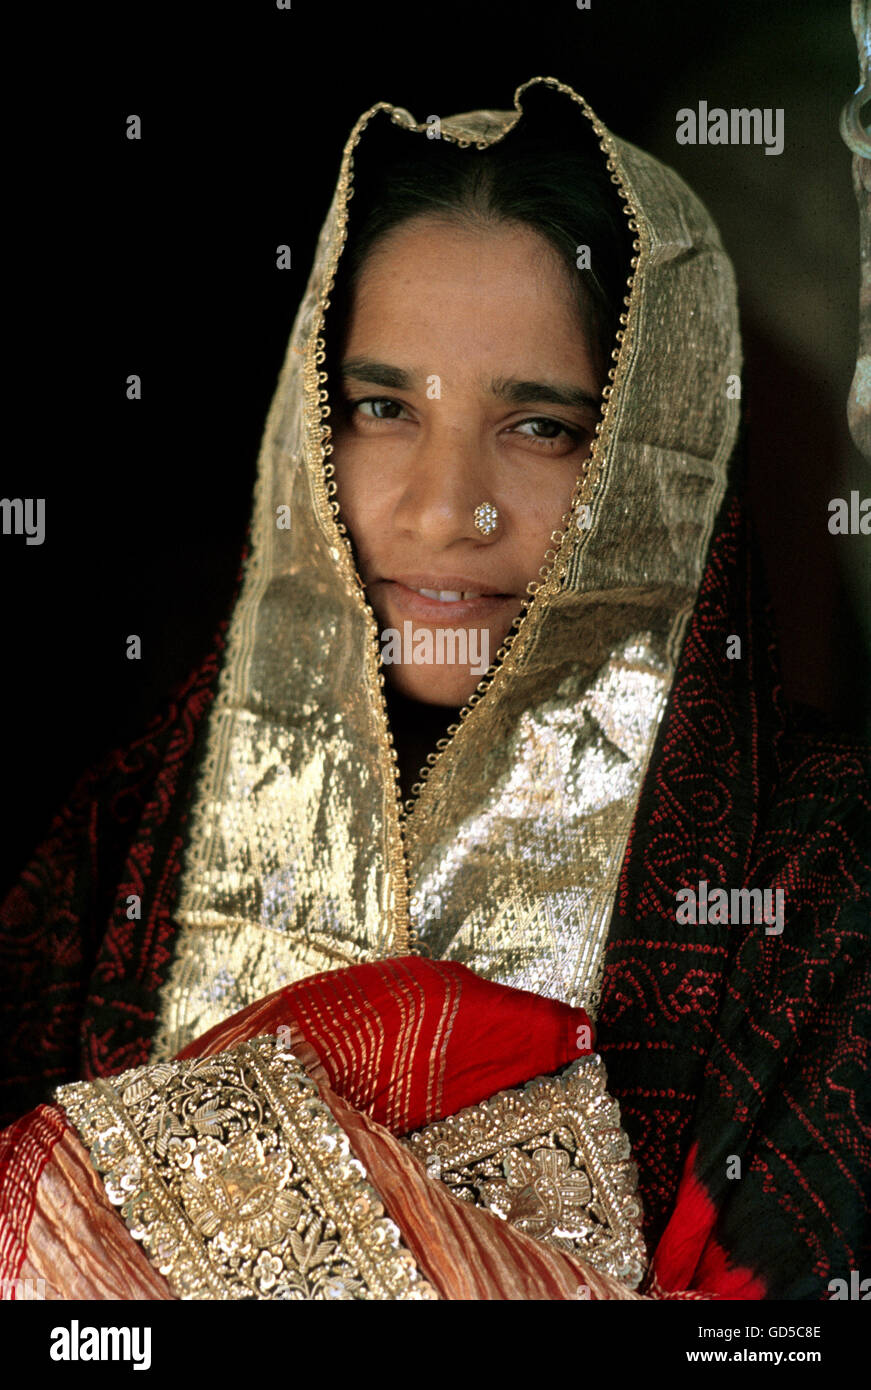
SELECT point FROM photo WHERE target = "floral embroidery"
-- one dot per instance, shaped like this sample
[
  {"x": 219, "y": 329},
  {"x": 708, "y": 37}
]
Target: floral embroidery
[
  {"x": 552, "y": 1159},
  {"x": 238, "y": 1182}
]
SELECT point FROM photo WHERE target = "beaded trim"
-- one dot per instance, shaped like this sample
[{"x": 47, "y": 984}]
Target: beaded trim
[
  {"x": 239, "y": 1184},
  {"x": 552, "y": 1159}
]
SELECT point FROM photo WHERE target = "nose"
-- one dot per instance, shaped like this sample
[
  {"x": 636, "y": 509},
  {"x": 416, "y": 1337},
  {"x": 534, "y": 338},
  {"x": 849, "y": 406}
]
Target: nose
[{"x": 446, "y": 479}]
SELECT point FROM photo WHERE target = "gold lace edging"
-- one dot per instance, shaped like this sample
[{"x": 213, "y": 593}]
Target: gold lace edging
[
  {"x": 552, "y": 1159},
  {"x": 233, "y": 1175}
]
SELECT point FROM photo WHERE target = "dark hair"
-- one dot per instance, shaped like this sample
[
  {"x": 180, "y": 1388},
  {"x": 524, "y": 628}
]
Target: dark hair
[{"x": 563, "y": 192}]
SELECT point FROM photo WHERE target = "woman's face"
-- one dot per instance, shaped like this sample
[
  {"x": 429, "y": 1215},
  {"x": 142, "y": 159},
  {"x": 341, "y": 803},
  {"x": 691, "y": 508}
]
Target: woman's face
[{"x": 468, "y": 377}]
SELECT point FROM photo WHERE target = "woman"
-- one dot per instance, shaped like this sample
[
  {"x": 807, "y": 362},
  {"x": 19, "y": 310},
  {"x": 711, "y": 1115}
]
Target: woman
[{"x": 350, "y": 960}]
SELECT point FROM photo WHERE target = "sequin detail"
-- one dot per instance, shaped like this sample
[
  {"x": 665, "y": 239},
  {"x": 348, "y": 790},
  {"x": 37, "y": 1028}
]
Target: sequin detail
[
  {"x": 238, "y": 1182},
  {"x": 551, "y": 1159}
]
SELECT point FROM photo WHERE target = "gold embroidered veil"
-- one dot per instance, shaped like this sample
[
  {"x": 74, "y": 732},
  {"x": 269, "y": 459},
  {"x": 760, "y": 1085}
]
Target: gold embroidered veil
[{"x": 301, "y": 856}]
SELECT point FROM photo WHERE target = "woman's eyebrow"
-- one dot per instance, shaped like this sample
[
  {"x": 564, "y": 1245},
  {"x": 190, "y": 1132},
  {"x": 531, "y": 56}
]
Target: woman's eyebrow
[
  {"x": 366, "y": 369},
  {"x": 511, "y": 389},
  {"x": 518, "y": 392}
]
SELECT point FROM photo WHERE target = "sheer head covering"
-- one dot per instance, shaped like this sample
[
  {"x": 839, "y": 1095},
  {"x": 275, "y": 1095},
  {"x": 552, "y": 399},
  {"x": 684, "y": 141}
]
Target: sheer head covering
[{"x": 301, "y": 856}]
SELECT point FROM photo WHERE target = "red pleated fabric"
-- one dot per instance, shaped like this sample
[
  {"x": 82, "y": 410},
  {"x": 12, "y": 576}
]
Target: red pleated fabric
[{"x": 25, "y": 1149}]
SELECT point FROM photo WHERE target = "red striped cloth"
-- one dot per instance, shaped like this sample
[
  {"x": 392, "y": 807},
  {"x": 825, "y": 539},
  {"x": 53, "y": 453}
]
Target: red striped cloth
[
  {"x": 409, "y": 1040},
  {"x": 25, "y": 1149}
]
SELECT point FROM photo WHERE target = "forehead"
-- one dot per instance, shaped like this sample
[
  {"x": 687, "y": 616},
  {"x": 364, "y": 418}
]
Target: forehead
[
  {"x": 433, "y": 251},
  {"x": 473, "y": 285}
]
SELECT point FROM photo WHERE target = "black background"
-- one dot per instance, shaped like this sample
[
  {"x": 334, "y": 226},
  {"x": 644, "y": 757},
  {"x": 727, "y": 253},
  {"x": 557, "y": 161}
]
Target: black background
[{"x": 158, "y": 257}]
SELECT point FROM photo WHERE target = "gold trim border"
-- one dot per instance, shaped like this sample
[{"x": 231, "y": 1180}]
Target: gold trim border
[{"x": 145, "y": 1185}]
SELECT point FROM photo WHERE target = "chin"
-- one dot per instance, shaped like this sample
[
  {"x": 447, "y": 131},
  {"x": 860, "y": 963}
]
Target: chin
[{"x": 433, "y": 685}]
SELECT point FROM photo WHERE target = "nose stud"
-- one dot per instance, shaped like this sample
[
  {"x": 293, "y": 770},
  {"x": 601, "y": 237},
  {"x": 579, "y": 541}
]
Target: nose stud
[{"x": 486, "y": 518}]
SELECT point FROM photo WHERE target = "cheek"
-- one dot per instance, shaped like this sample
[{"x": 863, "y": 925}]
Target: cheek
[
  {"x": 362, "y": 505},
  {"x": 538, "y": 509}
]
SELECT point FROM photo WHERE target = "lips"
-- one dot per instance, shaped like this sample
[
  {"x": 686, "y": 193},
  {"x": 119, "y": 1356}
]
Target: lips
[
  {"x": 448, "y": 588},
  {"x": 455, "y": 599}
]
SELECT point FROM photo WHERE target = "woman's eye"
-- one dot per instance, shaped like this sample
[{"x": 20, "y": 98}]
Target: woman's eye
[
  {"x": 382, "y": 407},
  {"x": 547, "y": 429}
]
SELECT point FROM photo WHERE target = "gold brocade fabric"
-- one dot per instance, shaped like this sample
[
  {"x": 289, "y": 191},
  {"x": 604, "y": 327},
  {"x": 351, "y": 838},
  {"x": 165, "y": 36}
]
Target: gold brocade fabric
[
  {"x": 301, "y": 857},
  {"x": 552, "y": 1159},
  {"x": 238, "y": 1182}
]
